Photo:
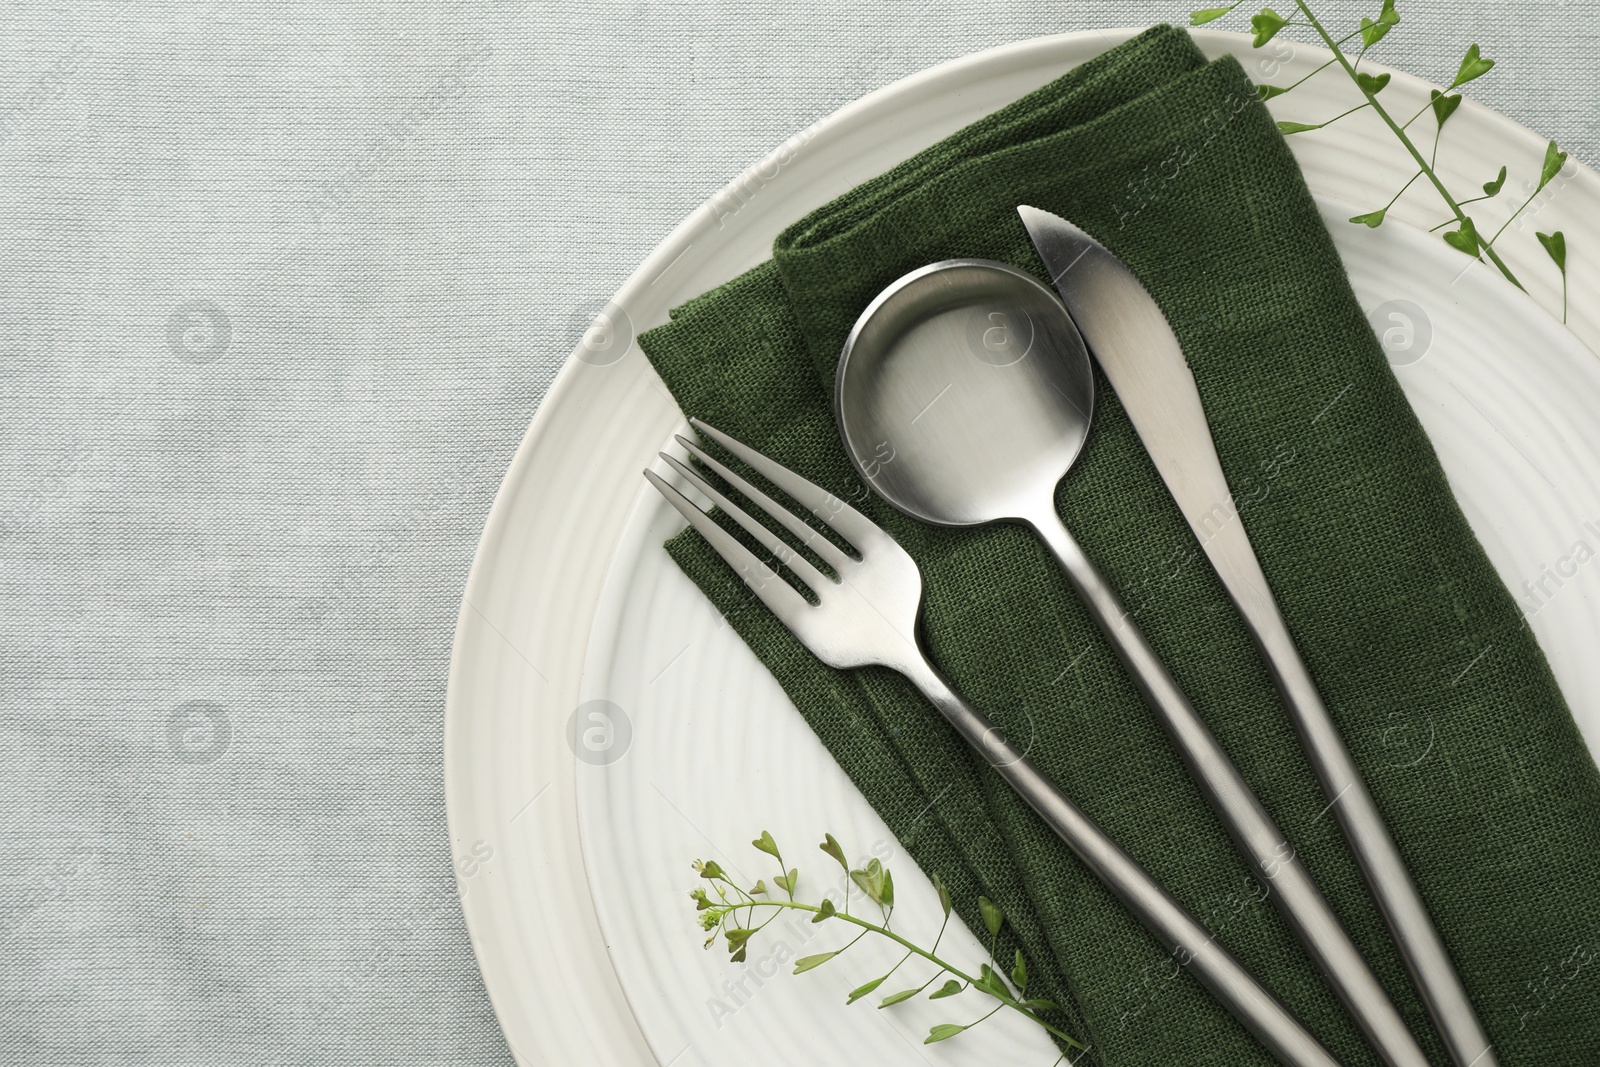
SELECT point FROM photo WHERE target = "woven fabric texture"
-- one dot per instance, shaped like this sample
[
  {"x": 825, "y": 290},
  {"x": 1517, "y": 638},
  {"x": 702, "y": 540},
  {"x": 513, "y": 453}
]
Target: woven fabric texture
[
  {"x": 281, "y": 285},
  {"x": 1380, "y": 578}
]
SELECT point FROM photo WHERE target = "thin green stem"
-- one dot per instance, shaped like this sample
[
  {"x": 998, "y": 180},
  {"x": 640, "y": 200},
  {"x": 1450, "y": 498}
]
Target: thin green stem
[
  {"x": 1407, "y": 123},
  {"x": 751, "y": 908},
  {"x": 859, "y": 936},
  {"x": 1308, "y": 77},
  {"x": 1402, "y": 191},
  {"x": 783, "y": 870},
  {"x": 940, "y": 935},
  {"x": 1513, "y": 217},
  {"x": 936, "y": 976},
  {"x": 1336, "y": 118},
  {"x": 1433, "y": 178},
  {"x": 913, "y": 949},
  {"x": 990, "y": 1015},
  {"x": 1342, "y": 114}
]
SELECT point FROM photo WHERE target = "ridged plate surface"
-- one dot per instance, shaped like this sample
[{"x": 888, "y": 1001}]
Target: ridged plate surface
[{"x": 576, "y": 902}]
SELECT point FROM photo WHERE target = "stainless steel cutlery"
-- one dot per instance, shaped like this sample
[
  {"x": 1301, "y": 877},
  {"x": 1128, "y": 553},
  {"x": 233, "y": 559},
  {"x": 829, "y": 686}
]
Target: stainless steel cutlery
[
  {"x": 975, "y": 377},
  {"x": 1136, "y": 348},
  {"x": 963, "y": 395},
  {"x": 866, "y": 614}
]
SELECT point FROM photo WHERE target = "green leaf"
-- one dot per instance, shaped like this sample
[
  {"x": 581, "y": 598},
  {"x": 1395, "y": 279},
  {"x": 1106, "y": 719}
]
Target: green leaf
[
  {"x": 738, "y": 941},
  {"x": 1373, "y": 32},
  {"x": 942, "y": 1032},
  {"x": 1473, "y": 66},
  {"x": 1443, "y": 106},
  {"x": 993, "y": 917},
  {"x": 862, "y": 990},
  {"x": 1267, "y": 92},
  {"x": 990, "y": 982},
  {"x": 944, "y": 894},
  {"x": 1556, "y": 245},
  {"x": 1464, "y": 239},
  {"x": 825, "y": 910},
  {"x": 806, "y": 963},
  {"x": 1286, "y": 128},
  {"x": 1374, "y": 219},
  {"x": 1040, "y": 1004},
  {"x": 1372, "y": 84},
  {"x": 1554, "y": 160},
  {"x": 1493, "y": 188},
  {"x": 1266, "y": 26},
  {"x": 870, "y": 880},
  {"x": 895, "y": 998},
  {"x": 831, "y": 847},
  {"x": 949, "y": 989},
  {"x": 1019, "y": 973},
  {"x": 766, "y": 844},
  {"x": 1209, "y": 14}
]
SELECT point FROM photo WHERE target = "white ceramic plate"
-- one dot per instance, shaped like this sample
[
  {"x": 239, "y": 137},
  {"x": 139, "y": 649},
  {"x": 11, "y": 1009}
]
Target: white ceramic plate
[{"x": 585, "y": 936}]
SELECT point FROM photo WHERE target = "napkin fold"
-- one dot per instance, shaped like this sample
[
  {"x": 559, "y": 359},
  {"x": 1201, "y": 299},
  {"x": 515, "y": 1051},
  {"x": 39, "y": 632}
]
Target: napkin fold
[{"x": 1419, "y": 650}]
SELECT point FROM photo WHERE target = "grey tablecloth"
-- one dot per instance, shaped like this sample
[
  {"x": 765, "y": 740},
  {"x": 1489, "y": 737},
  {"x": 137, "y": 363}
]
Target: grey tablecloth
[{"x": 281, "y": 284}]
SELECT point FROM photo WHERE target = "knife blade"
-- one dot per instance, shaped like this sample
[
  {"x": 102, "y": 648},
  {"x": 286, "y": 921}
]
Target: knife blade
[{"x": 1130, "y": 338}]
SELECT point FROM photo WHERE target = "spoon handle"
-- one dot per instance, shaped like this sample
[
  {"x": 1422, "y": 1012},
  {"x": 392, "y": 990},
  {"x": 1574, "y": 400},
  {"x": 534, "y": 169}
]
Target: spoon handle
[
  {"x": 1191, "y": 944},
  {"x": 1253, "y": 830}
]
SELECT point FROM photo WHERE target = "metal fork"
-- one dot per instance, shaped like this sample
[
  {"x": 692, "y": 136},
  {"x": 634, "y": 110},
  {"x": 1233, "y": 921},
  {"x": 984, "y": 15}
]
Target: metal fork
[{"x": 867, "y": 615}]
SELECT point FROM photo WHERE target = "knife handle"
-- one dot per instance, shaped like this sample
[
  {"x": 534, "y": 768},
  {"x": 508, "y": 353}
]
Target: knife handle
[
  {"x": 1191, "y": 944},
  {"x": 1385, "y": 871},
  {"x": 1253, "y": 830}
]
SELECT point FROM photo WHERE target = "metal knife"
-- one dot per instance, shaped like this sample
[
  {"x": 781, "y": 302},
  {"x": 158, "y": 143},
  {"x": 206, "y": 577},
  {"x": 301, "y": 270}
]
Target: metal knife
[{"x": 1134, "y": 344}]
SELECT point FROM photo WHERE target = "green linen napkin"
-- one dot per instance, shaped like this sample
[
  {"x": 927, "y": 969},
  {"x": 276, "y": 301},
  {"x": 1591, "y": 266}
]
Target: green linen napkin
[{"x": 1420, "y": 652}]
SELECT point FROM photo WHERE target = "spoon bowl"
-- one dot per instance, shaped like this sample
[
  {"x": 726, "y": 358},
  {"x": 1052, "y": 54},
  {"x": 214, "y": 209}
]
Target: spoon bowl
[{"x": 965, "y": 393}]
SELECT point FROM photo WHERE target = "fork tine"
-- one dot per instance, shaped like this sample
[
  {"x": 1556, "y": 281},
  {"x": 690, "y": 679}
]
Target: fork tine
[
  {"x": 830, "y": 553},
  {"x": 779, "y": 597},
  {"x": 843, "y": 519},
  {"x": 774, "y": 544}
]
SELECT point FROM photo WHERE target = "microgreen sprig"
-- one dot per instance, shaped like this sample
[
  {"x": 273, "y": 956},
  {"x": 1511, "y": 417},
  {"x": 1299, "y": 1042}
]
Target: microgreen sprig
[
  {"x": 1463, "y": 233},
  {"x": 738, "y": 915}
]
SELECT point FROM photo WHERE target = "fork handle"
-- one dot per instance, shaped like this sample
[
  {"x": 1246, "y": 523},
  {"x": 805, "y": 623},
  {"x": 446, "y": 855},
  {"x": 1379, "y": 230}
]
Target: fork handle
[
  {"x": 1252, "y": 828},
  {"x": 1190, "y": 943}
]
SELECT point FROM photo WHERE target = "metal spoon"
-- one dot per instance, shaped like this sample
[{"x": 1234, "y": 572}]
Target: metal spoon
[{"x": 964, "y": 395}]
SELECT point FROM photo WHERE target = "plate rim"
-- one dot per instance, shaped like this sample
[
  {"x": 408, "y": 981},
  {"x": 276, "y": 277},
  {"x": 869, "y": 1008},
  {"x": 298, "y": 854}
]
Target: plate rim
[{"x": 463, "y": 810}]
